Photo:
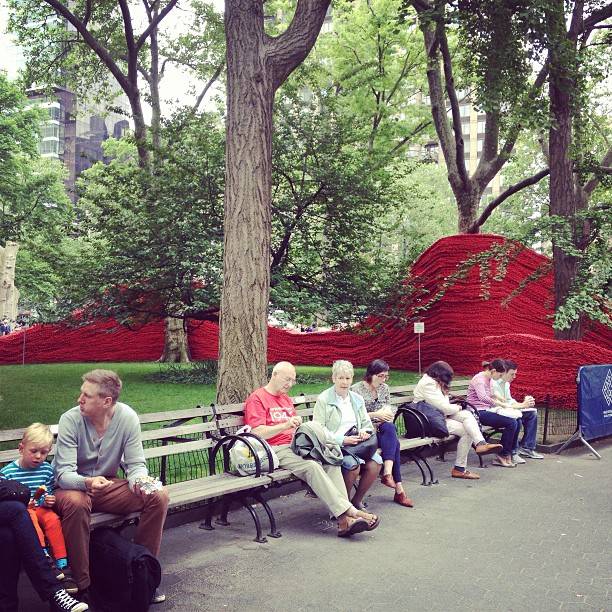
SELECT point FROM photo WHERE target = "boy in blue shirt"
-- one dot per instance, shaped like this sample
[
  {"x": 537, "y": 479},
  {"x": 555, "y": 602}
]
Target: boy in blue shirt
[{"x": 32, "y": 470}]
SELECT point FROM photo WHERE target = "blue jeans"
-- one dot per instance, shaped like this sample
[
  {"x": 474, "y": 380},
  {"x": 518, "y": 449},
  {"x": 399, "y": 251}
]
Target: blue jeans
[
  {"x": 390, "y": 448},
  {"x": 19, "y": 546},
  {"x": 511, "y": 428},
  {"x": 530, "y": 430}
]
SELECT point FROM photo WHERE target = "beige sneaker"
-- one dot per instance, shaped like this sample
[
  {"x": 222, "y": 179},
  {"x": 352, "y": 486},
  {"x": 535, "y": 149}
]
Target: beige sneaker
[{"x": 502, "y": 461}]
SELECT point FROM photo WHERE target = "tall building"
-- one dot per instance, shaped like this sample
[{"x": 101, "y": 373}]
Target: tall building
[{"x": 74, "y": 131}]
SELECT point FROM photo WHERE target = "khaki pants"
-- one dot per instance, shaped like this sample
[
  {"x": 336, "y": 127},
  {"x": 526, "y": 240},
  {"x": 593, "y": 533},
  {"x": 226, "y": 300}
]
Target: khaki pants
[
  {"x": 75, "y": 508},
  {"x": 325, "y": 480},
  {"x": 464, "y": 425}
]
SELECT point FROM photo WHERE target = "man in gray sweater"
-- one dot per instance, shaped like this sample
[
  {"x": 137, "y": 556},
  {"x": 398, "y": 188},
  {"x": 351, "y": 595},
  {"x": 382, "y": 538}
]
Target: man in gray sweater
[{"x": 94, "y": 439}]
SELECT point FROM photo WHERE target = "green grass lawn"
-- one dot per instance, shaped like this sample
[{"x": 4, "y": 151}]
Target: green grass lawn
[{"x": 43, "y": 392}]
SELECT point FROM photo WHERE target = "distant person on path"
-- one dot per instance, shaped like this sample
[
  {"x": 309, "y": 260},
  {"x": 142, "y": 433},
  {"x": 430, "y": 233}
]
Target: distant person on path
[
  {"x": 375, "y": 392},
  {"x": 272, "y": 416},
  {"x": 94, "y": 439},
  {"x": 480, "y": 395},
  {"x": 529, "y": 418},
  {"x": 32, "y": 470},
  {"x": 19, "y": 548},
  {"x": 434, "y": 388}
]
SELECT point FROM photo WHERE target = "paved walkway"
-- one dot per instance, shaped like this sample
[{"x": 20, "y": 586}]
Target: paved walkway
[{"x": 537, "y": 537}]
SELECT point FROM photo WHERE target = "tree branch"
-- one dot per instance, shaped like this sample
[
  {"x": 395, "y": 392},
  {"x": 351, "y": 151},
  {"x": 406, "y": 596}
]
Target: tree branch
[
  {"x": 208, "y": 85},
  {"x": 143, "y": 37},
  {"x": 606, "y": 162},
  {"x": 417, "y": 130},
  {"x": 288, "y": 50},
  {"x": 454, "y": 102},
  {"x": 586, "y": 26},
  {"x": 96, "y": 46},
  {"x": 486, "y": 213}
]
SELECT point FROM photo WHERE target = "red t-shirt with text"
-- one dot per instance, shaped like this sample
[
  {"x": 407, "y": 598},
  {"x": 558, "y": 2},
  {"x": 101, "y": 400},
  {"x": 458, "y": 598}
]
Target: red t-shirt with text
[{"x": 263, "y": 408}]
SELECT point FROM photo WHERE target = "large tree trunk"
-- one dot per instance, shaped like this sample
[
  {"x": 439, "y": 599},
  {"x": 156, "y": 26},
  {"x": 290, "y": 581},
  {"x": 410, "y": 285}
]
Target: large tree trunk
[
  {"x": 468, "y": 202},
  {"x": 243, "y": 337},
  {"x": 256, "y": 66},
  {"x": 176, "y": 345},
  {"x": 562, "y": 190}
]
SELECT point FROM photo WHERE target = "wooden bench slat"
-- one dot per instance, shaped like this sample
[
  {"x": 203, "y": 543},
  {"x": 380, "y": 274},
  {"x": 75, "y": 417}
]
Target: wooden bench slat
[
  {"x": 231, "y": 421},
  {"x": 304, "y": 399},
  {"x": 6, "y": 456},
  {"x": 175, "y": 449},
  {"x": 179, "y": 430},
  {"x": 175, "y": 415},
  {"x": 227, "y": 408},
  {"x": 212, "y": 486}
]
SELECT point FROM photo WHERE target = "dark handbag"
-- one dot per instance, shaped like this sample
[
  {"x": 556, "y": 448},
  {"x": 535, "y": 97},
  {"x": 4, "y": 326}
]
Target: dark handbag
[
  {"x": 363, "y": 450},
  {"x": 13, "y": 490},
  {"x": 434, "y": 422}
]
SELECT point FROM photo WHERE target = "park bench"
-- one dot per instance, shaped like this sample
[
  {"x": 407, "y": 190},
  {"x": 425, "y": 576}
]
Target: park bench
[{"x": 188, "y": 450}]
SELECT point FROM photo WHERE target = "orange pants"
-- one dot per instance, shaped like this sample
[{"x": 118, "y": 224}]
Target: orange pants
[{"x": 48, "y": 524}]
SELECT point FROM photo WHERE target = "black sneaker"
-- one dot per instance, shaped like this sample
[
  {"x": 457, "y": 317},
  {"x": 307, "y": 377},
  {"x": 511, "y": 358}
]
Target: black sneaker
[
  {"x": 62, "y": 602},
  {"x": 70, "y": 586}
]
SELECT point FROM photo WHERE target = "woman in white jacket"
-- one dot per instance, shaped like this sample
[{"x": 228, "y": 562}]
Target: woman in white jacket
[{"x": 434, "y": 388}]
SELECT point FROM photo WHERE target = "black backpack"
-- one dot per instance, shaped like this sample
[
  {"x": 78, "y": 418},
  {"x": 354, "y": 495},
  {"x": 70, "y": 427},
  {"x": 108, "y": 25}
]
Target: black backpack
[{"x": 124, "y": 575}]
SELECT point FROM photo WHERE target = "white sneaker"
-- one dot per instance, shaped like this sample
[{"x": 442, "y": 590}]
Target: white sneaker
[
  {"x": 516, "y": 458},
  {"x": 530, "y": 453}
]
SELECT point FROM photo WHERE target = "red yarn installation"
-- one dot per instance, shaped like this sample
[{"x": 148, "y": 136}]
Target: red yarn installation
[
  {"x": 546, "y": 368},
  {"x": 461, "y": 315},
  {"x": 102, "y": 341}
]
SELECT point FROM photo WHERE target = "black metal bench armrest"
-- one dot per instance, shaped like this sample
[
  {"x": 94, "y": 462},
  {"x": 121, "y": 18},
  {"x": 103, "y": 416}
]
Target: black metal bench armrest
[{"x": 419, "y": 419}]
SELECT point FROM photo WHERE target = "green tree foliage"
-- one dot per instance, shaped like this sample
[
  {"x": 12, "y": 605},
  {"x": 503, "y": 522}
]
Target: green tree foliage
[
  {"x": 374, "y": 60},
  {"x": 424, "y": 211},
  {"x": 34, "y": 208},
  {"x": 32, "y": 195},
  {"x": 329, "y": 202},
  {"x": 155, "y": 244},
  {"x": 158, "y": 237}
]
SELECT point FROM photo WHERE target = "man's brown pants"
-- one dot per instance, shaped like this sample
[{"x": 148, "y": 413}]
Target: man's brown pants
[{"x": 75, "y": 508}]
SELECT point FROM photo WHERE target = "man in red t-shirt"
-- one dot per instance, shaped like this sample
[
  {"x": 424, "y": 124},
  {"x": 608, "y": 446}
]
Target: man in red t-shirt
[{"x": 271, "y": 414}]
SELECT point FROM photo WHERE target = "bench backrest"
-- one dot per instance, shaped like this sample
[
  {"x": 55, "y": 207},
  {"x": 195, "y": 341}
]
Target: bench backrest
[{"x": 177, "y": 442}]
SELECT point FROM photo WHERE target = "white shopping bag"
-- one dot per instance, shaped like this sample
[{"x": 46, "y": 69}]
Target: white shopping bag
[{"x": 242, "y": 459}]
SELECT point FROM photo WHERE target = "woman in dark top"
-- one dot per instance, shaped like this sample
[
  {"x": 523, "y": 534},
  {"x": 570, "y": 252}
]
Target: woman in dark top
[{"x": 375, "y": 393}]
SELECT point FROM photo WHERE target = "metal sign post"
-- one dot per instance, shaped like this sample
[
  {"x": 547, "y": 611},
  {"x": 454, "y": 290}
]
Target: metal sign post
[{"x": 419, "y": 328}]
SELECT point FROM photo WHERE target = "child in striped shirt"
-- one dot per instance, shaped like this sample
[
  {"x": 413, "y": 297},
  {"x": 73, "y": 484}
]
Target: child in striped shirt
[{"x": 32, "y": 470}]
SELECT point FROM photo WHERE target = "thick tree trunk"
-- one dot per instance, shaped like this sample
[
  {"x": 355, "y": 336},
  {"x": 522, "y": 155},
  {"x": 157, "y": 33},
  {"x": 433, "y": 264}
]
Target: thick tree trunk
[
  {"x": 243, "y": 338},
  {"x": 257, "y": 65},
  {"x": 176, "y": 346},
  {"x": 468, "y": 202},
  {"x": 562, "y": 190}
]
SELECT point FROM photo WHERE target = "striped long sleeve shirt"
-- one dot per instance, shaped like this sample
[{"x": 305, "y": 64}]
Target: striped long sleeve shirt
[{"x": 31, "y": 477}]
